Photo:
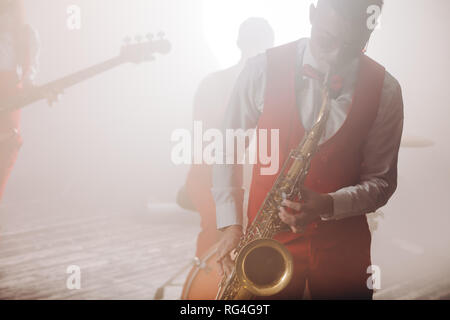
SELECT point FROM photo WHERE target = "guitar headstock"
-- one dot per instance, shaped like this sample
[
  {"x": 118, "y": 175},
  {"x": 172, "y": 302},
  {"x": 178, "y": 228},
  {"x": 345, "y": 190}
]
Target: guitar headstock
[{"x": 143, "y": 51}]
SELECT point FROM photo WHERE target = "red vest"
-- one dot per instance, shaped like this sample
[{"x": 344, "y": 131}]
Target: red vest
[{"x": 339, "y": 160}]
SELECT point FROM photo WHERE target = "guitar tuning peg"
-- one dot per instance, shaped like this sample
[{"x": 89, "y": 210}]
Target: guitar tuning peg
[
  {"x": 161, "y": 35},
  {"x": 127, "y": 40},
  {"x": 149, "y": 36},
  {"x": 138, "y": 38}
]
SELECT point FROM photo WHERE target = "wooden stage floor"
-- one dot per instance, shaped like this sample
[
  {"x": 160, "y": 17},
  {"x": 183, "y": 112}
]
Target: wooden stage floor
[{"x": 121, "y": 256}]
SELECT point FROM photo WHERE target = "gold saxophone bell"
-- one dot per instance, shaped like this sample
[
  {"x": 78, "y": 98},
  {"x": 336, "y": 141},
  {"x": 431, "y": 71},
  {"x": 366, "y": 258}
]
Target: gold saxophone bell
[{"x": 265, "y": 267}]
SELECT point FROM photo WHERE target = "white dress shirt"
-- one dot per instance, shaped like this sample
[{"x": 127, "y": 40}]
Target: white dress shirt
[{"x": 378, "y": 180}]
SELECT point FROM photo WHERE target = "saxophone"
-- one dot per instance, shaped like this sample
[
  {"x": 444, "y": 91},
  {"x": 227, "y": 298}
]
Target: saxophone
[{"x": 263, "y": 266}]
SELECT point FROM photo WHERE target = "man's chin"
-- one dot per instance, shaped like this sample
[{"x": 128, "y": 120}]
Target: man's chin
[
  {"x": 339, "y": 62},
  {"x": 327, "y": 59}
]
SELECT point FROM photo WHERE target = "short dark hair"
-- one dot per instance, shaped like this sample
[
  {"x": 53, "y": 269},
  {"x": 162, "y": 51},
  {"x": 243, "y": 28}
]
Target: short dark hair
[
  {"x": 354, "y": 11},
  {"x": 357, "y": 13}
]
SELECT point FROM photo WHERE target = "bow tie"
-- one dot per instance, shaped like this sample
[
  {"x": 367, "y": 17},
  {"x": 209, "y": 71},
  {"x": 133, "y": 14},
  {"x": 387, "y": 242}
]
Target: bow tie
[
  {"x": 311, "y": 72},
  {"x": 336, "y": 81}
]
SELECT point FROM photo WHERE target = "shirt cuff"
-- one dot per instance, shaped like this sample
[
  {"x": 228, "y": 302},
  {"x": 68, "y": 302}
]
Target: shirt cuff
[
  {"x": 343, "y": 205},
  {"x": 328, "y": 217},
  {"x": 229, "y": 206}
]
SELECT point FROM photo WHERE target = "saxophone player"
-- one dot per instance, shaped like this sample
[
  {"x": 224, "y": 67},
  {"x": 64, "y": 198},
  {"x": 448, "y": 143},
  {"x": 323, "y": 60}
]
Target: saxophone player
[{"x": 353, "y": 173}]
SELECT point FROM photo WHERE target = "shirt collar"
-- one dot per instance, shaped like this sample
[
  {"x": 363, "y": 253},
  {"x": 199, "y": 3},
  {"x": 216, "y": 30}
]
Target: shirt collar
[{"x": 308, "y": 58}]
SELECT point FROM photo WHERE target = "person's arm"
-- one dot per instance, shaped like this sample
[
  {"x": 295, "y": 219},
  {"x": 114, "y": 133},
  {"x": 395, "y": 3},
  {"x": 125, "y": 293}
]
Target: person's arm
[
  {"x": 243, "y": 112},
  {"x": 378, "y": 180},
  {"x": 29, "y": 45},
  {"x": 28, "y": 60}
]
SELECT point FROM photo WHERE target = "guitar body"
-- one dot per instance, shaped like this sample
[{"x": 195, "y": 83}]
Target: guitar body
[{"x": 203, "y": 280}]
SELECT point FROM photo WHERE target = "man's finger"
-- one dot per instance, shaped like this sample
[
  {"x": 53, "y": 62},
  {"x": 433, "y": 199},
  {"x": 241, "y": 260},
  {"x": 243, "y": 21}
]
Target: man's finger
[
  {"x": 228, "y": 265},
  {"x": 225, "y": 265},
  {"x": 223, "y": 256},
  {"x": 221, "y": 253},
  {"x": 287, "y": 218},
  {"x": 221, "y": 272},
  {"x": 220, "y": 262},
  {"x": 296, "y": 206}
]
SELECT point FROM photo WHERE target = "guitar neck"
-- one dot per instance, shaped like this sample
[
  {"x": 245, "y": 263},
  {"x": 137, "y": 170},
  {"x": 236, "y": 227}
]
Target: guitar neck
[
  {"x": 28, "y": 97},
  {"x": 83, "y": 75},
  {"x": 134, "y": 53}
]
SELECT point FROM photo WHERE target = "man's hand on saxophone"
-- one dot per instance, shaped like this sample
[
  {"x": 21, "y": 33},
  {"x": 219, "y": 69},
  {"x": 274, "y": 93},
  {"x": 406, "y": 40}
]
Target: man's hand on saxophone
[
  {"x": 229, "y": 241},
  {"x": 314, "y": 207}
]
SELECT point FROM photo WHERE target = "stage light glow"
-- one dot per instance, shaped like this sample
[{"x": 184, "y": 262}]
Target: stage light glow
[{"x": 221, "y": 19}]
